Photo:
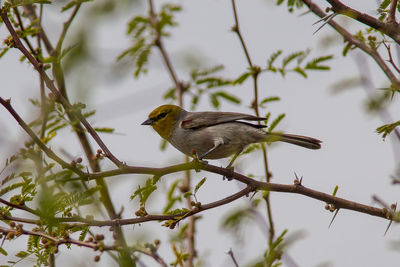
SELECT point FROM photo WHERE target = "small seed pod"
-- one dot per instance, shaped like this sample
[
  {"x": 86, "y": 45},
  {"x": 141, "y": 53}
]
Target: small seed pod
[{"x": 99, "y": 237}]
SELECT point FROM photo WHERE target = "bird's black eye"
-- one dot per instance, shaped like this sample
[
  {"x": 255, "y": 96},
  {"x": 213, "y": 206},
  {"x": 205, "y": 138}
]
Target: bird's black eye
[{"x": 162, "y": 115}]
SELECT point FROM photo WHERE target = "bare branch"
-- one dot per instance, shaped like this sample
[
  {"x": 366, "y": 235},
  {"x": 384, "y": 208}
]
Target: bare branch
[
  {"x": 392, "y": 12},
  {"x": 230, "y": 253}
]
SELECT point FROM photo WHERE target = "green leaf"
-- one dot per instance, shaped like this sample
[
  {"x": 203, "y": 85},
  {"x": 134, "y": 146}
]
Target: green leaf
[
  {"x": 384, "y": 5},
  {"x": 335, "y": 190},
  {"x": 170, "y": 94},
  {"x": 242, "y": 78},
  {"x": 104, "y": 129},
  {"x": 270, "y": 99},
  {"x": 68, "y": 6},
  {"x": 214, "y": 101},
  {"x": 279, "y": 2},
  {"x": 2, "y": 251},
  {"x": 3, "y": 51},
  {"x": 228, "y": 97},
  {"x": 144, "y": 192},
  {"x": 314, "y": 64},
  {"x": 272, "y": 59},
  {"x": 300, "y": 71},
  {"x": 83, "y": 233},
  {"x": 187, "y": 194},
  {"x": 387, "y": 128},
  {"x": 22, "y": 254},
  {"x": 195, "y": 74},
  {"x": 16, "y": 3},
  {"x": 251, "y": 148},
  {"x": 172, "y": 189},
  {"x": 89, "y": 114},
  {"x": 73, "y": 3},
  {"x": 199, "y": 184},
  {"x": 291, "y": 57},
  {"x": 9, "y": 188},
  {"x": 178, "y": 211},
  {"x": 267, "y": 117},
  {"x": 275, "y": 122},
  {"x": 163, "y": 144}
]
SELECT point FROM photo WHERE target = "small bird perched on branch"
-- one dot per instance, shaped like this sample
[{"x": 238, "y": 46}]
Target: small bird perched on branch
[{"x": 215, "y": 135}]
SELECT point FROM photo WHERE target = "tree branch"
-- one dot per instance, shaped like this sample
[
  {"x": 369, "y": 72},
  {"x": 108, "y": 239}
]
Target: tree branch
[
  {"x": 392, "y": 13},
  {"x": 7, "y": 104},
  {"x": 49, "y": 83},
  {"x": 57, "y": 242},
  {"x": 390, "y": 29},
  {"x": 356, "y": 42},
  {"x": 338, "y": 202}
]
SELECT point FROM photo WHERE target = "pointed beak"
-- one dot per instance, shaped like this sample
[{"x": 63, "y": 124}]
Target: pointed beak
[{"x": 148, "y": 122}]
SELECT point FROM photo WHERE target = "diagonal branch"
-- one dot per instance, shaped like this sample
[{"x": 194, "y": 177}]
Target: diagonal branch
[
  {"x": 50, "y": 84},
  {"x": 6, "y": 103},
  {"x": 390, "y": 29},
  {"x": 356, "y": 42},
  {"x": 392, "y": 13}
]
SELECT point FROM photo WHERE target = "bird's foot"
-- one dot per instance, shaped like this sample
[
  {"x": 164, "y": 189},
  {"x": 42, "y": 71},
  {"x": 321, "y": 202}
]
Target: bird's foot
[{"x": 196, "y": 159}]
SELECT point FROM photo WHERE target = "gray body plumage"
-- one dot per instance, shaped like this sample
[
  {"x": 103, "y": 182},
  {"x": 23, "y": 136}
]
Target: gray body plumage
[{"x": 202, "y": 131}]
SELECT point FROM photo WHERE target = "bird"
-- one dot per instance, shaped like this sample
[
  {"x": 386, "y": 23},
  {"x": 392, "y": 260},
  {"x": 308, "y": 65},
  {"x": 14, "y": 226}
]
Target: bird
[{"x": 216, "y": 135}]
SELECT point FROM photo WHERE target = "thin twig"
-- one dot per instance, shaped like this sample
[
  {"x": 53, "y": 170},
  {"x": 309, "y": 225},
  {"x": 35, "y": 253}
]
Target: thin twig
[
  {"x": 391, "y": 61},
  {"x": 230, "y": 253},
  {"x": 57, "y": 242},
  {"x": 20, "y": 207},
  {"x": 152, "y": 254},
  {"x": 66, "y": 27},
  {"x": 21, "y": 25},
  {"x": 159, "y": 43},
  {"x": 236, "y": 29},
  {"x": 392, "y": 12},
  {"x": 255, "y": 71},
  {"x": 30, "y": 11}
]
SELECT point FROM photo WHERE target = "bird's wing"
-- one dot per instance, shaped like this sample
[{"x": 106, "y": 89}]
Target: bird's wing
[{"x": 203, "y": 119}]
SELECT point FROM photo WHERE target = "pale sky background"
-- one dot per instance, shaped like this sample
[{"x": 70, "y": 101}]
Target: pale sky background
[{"x": 353, "y": 156}]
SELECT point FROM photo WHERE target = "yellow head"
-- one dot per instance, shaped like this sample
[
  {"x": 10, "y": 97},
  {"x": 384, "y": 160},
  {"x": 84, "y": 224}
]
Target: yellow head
[{"x": 163, "y": 119}]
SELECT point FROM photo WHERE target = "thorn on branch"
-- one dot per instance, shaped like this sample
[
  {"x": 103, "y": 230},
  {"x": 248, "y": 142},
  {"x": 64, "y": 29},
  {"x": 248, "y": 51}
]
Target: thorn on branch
[
  {"x": 235, "y": 28},
  {"x": 298, "y": 181},
  {"x": 333, "y": 218}
]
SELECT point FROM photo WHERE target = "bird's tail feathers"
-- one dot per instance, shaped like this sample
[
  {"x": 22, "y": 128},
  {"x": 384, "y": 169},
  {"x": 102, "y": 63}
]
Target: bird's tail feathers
[{"x": 299, "y": 140}]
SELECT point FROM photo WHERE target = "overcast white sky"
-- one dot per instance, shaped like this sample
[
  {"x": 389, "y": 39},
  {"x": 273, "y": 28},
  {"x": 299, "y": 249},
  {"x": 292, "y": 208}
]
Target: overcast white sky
[{"x": 353, "y": 156}]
